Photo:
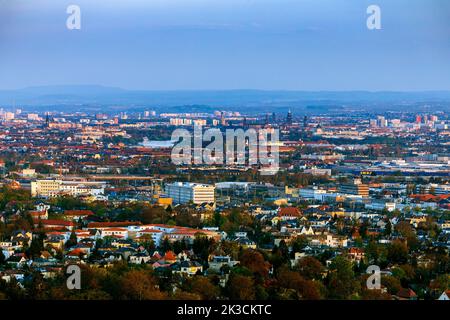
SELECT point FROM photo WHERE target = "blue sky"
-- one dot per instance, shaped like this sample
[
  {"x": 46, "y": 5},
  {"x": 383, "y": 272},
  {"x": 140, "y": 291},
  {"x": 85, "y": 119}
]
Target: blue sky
[{"x": 227, "y": 44}]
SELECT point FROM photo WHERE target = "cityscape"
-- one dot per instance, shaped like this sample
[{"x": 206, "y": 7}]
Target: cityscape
[
  {"x": 100, "y": 191},
  {"x": 220, "y": 158}
]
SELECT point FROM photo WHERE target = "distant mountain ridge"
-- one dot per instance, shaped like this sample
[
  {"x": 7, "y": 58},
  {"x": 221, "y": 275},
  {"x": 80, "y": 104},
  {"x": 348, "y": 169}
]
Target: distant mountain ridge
[{"x": 96, "y": 95}]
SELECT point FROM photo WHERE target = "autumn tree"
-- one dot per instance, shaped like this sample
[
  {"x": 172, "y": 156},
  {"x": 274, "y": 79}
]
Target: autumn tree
[
  {"x": 407, "y": 231},
  {"x": 255, "y": 262},
  {"x": 241, "y": 287},
  {"x": 310, "y": 268},
  {"x": 203, "y": 287},
  {"x": 154, "y": 215},
  {"x": 305, "y": 289},
  {"x": 139, "y": 285}
]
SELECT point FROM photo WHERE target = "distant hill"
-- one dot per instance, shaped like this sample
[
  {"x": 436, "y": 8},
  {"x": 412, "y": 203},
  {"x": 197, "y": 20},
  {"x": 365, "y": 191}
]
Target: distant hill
[{"x": 91, "y": 96}]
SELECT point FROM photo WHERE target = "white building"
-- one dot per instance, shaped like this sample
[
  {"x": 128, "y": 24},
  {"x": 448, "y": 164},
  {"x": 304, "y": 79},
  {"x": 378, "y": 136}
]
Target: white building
[
  {"x": 312, "y": 194},
  {"x": 54, "y": 188},
  {"x": 182, "y": 192}
]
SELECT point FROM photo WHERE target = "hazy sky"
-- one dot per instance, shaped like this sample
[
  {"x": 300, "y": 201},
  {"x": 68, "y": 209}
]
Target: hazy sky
[{"x": 227, "y": 44}]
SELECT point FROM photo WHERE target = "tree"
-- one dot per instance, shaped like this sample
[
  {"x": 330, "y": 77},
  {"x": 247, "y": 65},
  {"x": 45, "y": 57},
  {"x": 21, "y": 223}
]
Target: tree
[
  {"x": 72, "y": 240},
  {"x": 255, "y": 262},
  {"x": 341, "y": 281},
  {"x": 203, "y": 287},
  {"x": 388, "y": 229},
  {"x": 36, "y": 246},
  {"x": 391, "y": 283},
  {"x": 299, "y": 243},
  {"x": 166, "y": 245},
  {"x": 139, "y": 285},
  {"x": 154, "y": 215},
  {"x": 241, "y": 287},
  {"x": 202, "y": 246},
  {"x": 37, "y": 288},
  {"x": 310, "y": 268},
  {"x": 2, "y": 257},
  {"x": 305, "y": 289},
  {"x": 183, "y": 295},
  {"x": 372, "y": 252},
  {"x": 407, "y": 231},
  {"x": 397, "y": 252}
]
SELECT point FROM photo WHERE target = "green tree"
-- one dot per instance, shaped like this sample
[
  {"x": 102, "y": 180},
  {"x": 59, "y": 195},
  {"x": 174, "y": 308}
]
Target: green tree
[
  {"x": 2, "y": 257},
  {"x": 72, "y": 240},
  {"x": 341, "y": 279},
  {"x": 397, "y": 252}
]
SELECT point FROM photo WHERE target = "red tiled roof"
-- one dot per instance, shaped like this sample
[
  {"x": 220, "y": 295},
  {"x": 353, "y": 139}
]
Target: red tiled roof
[
  {"x": 58, "y": 223},
  {"x": 37, "y": 213},
  {"x": 78, "y": 213},
  {"x": 116, "y": 229},
  {"x": 289, "y": 212},
  {"x": 76, "y": 252},
  {"x": 429, "y": 197},
  {"x": 170, "y": 255},
  {"x": 406, "y": 293}
]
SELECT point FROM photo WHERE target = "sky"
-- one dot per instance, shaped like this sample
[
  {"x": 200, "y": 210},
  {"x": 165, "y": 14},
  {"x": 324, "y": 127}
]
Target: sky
[{"x": 227, "y": 44}]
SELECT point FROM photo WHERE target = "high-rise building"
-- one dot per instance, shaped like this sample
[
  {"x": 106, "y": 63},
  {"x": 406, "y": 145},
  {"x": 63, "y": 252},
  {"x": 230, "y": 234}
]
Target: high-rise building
[
  {"x": 418, "y": 119},
  {"x": 222, "y": 119},
  {"x": 382, "y": 122},
  {"x": 356, "y": 188},
  {"x": 183, "y": 192},
  {"x": 289, "y": 118},
  {"x": 434, "y": 118}
]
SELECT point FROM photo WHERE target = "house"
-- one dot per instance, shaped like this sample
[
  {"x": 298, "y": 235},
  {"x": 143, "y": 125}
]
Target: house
[
  {"x": 406, "y": 294},
  {"x": 82, "y": 234},
  {"x": 121, "y": 233},
  {"x": 17, "y": 261},
  {"x": 445, "y": 295},
  {"x": 75, "y": 215},
  {"x": 170, "y": 257},
  {"x": 139, "y": 258},
  {"x": 307, "y": 231},
  {"x": 335, "y": 241},
  {"x": 42, "y": 207},
  {"x": 297, "y": 257},
  {"x": 289, "y": 213},
  {"x": 36, "y": 215},
  {"x": 146, "y": 234},
  {"x": 246, "y": 243},
  {"x": 56, "y": 242},
  {"x": 76, "y": 254},
  {"x": 56, "y": 224},
  {"x": 356, "y": 254},
  {"x": 189, "y": 268},
  {"x": 21, "y": 237},
  {"x": 10, "y": 274},
  {"x": 217, "y": 262}
]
